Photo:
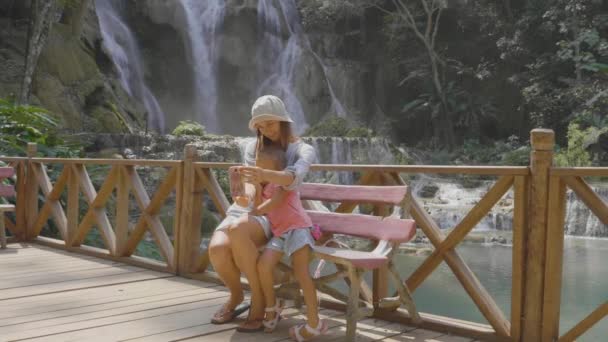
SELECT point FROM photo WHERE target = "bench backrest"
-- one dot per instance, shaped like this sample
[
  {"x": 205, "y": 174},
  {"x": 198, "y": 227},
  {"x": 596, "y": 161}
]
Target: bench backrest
[
  {"x": 6, "y": 190},
  {"x": 353, "y": 193},
  {"x": 367, "y": 226}
]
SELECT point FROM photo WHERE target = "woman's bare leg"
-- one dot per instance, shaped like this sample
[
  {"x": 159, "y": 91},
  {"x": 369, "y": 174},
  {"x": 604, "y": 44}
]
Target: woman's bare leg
[
  {"x": 220, "y": 255},
  {"x": 246, "y": 236}
]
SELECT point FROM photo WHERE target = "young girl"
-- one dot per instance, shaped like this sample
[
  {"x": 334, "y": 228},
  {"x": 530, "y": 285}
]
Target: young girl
[{"x": 291, "y": 235}]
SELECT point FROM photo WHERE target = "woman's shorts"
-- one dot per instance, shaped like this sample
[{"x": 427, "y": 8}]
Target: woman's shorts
[
  {"x": 235, "y": 211},
  {"x": 291, "y": 241}
]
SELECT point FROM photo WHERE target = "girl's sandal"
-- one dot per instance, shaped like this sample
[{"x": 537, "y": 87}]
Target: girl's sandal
[
  {"x": 294, "y": 332},
  {"x": 270, "y": 325}
]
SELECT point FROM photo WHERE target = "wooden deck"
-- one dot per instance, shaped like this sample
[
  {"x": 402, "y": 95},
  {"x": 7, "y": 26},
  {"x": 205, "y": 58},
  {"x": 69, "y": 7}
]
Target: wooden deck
[{"x": 48, "y": 294}]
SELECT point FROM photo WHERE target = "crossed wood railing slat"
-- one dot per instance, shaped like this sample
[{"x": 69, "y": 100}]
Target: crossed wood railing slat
[
  {"x": 17, "y": 227},
  {"x": 461, "y": 270},
  {"x": 150, "y": 210},
  {"x": 97, "y": 212},
  {"x": 460, "y": 231},
  {"x": 125, "y": 180},
  {"x": 555, "y": 249}
]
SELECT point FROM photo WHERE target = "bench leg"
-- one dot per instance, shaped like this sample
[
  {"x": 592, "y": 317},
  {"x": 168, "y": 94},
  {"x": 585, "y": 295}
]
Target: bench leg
[
  {"x": 404, "y": 294},
  {"x": 2, "y": 232},
  {"x": 352, "y": 308}
]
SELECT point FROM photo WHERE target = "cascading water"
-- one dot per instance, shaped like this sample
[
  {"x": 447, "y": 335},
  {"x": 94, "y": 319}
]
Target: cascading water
[
  {"x": 119, "y": 42},
  {"x": 580, "y": 220},
  {"x": 278, "y": 78},
  {"x": 203, "y": 21}
]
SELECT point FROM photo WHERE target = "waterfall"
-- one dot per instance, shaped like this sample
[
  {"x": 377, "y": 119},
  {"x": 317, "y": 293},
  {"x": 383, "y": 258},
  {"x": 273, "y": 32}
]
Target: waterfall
[
  {"x": 580, "y": 220},
  {"x": 277, "y": 60},
  {"x": 451, "y": 203},
  {"x": 119, "y": 42},
  {"x": 203, "y": 21}
]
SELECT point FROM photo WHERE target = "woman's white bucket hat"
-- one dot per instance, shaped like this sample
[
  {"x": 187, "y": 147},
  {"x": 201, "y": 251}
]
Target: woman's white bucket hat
[{"x": 268, "y": 107}]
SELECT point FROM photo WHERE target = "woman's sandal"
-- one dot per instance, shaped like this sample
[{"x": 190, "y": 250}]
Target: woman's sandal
[
  {"x": 294, "y": 332},
  {"x": 272, "y": 324},
  {"x": 251, "y": 326},
  {"x": 223, "y": 316}
]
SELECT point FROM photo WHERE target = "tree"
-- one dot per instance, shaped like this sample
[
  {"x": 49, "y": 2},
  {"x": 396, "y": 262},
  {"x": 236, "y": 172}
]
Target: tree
[
  {"x": 426, "y": 32},
  {"x": 43, "y": 14}
]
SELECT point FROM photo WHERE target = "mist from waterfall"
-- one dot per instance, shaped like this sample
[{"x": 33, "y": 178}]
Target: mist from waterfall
[
  {"x": 203, "y": 23},
  {"x": 278, "y": 60},
  {"x": 121, "y": 45}
]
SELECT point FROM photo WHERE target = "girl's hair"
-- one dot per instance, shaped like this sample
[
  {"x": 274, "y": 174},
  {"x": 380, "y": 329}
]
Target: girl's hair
[
  {"x": 272, "y": 157},
  {"x": 286, "y": 136}
]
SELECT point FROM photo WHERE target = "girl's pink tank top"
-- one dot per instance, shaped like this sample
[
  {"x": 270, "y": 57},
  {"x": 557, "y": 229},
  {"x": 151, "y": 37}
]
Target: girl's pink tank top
[{"x": 289, "y": 215}]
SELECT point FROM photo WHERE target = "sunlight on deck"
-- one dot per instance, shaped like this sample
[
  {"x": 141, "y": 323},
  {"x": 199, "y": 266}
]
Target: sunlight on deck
[{"x": 53, "y": 295}]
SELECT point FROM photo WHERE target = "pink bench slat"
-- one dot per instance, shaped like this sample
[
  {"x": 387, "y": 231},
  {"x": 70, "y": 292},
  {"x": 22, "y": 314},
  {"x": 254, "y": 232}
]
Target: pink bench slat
[
  {"x": 365, "y": 260},
  {"x": 6, "y": 172},
  {"x": 354, "y": 193},
  {"x": 7, "y": 190},
  {"x": 366, "y": 226}
]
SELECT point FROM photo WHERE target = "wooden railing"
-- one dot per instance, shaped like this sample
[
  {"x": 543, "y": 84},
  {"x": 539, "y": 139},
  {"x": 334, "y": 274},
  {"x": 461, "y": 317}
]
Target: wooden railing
[{"x": 538, "y": 224}]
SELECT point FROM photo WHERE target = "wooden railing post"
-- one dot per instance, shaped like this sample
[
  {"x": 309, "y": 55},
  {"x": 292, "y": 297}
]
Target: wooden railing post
[
  {"x": 20, "y": 210},
  {"x": 188, "y": 234},
  {"x": 73, "y": 203},
  {"x": 541, "y": 159},
  {"x": 553, "y": 264},
  {"x": 31, "y": 192}
]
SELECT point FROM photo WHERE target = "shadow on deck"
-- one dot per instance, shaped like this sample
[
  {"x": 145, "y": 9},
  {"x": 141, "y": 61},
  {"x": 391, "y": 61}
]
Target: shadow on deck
[{"x": 53, "y": 295}]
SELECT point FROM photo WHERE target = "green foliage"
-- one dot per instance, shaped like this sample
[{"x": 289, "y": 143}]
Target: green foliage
[
  {"x": 189, "y": 127},
  {"x": 518, "y": 157},
  {"x": 330, "y": 127},
  {"x": 20, "y": 124},
  {"x": 224, "y": 181},
  {"x": 338, "y": 127},
  {"x": 209, "y": 222},
  {"x": 563, "y": 46},
  {"x": 359, "y": 132},
  {"x": 578, "y": 140},
  {"x": 148, "y": 249}
]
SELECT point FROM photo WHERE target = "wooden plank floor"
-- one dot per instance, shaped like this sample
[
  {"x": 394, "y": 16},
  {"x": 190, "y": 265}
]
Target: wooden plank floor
[{"x": 53, "y": 295}]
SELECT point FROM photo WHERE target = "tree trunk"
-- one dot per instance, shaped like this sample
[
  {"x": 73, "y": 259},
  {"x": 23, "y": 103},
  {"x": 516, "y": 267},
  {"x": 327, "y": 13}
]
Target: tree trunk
[{"x": 43, "y": 14}]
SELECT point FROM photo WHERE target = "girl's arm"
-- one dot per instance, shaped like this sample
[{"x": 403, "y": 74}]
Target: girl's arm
[{"x": 272, "y": 203}]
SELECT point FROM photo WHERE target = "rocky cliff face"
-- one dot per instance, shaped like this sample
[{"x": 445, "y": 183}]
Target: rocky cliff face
[{"x": 74, "y": 78}]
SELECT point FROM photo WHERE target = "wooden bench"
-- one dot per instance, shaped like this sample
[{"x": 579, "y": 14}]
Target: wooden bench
[
  {"x": 6, "y": 190},
  {"x": 387, "y": 232}
]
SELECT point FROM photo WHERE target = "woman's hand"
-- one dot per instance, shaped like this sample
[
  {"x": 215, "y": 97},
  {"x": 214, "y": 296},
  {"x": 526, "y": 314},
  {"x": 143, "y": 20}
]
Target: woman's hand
[{"x": 252, "y": 174}]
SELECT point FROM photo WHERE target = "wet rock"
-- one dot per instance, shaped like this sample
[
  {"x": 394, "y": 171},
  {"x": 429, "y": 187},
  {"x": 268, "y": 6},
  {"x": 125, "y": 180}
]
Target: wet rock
[{"x": 428, "y": 190}]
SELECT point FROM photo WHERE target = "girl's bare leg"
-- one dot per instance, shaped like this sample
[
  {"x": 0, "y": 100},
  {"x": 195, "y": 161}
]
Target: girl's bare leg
[
  {"x": 301, "y": 260},
  {"x": 266, "y": 265}
]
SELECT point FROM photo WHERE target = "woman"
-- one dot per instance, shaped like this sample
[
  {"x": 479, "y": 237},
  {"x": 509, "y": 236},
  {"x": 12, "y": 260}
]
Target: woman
[{"x": 234, "y": 245}]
